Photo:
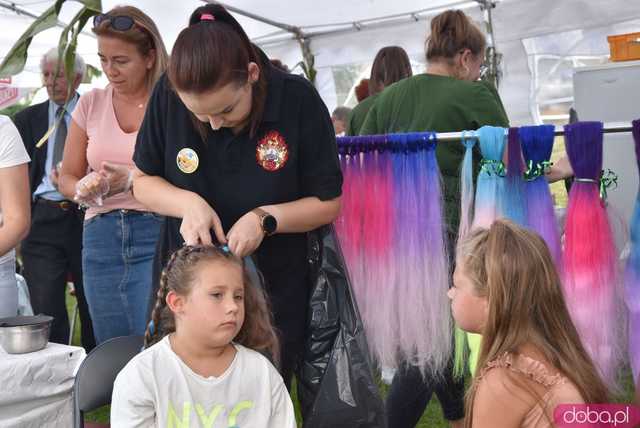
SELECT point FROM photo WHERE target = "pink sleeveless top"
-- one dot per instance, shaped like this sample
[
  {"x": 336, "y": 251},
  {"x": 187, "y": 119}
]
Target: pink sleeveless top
[
  {"x": 559, "y": 389},
  {"x": 107, "y": 141}
]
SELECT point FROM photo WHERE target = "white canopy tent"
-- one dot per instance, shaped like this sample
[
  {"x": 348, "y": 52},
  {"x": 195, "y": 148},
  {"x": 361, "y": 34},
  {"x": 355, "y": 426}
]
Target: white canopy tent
[{"x": 540, "y": 40}]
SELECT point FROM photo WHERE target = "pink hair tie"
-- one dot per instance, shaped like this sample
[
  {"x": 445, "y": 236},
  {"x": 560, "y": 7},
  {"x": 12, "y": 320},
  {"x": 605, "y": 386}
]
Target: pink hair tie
[{"x": 207, "y": 17}]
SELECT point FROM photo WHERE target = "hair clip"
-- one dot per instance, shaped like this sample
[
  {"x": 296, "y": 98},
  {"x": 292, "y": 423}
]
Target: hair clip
[
  {"x": 225, "y": 249},
  {"x": 207, "y": 17}
]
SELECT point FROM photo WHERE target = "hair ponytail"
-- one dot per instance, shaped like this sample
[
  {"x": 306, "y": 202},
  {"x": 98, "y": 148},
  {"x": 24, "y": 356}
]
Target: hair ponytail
[
  {"x": 211, "y": 53},
  {"x": 451, "y": 32}
]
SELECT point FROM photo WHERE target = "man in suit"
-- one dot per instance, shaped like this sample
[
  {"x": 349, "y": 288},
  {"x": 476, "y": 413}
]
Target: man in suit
[{"x": 52, "y": 250}]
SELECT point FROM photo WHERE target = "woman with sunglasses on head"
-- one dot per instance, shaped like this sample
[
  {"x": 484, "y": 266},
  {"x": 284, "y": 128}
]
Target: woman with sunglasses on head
[
  {"x": 120, "y": 233},
  {"x": 447, "y": 98},
  {"x": 237, "y": 152}
]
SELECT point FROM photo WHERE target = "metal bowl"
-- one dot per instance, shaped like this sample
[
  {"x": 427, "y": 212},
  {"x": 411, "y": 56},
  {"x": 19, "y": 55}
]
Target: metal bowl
[{"x": 23, "y": 334}]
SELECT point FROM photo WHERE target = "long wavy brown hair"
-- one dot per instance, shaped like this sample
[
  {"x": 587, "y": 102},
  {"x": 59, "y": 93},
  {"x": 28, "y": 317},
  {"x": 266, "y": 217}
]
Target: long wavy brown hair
[
  {"x": 390, "y": 65},
  {"x": 513, "y": 269},
  {"x": 257, "y": 331}
]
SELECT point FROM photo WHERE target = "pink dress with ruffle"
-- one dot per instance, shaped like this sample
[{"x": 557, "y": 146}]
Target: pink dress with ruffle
[{"x": 559, "y": 389}]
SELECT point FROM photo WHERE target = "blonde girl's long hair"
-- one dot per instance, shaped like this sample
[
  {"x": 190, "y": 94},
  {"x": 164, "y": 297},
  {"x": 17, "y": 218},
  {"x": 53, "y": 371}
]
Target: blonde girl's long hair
[
  {"x": 257, "y": 331},
  {"x": 512, "y": 267}
]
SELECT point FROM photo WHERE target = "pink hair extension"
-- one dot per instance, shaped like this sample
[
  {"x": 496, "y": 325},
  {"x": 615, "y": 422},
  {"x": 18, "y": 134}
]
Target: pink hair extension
[
  {"x": 590, "y": 271},
  {"x": 349, "y": 223},
  {"x": 379, "y": 317},
  {"x": 632, "y": 275}
]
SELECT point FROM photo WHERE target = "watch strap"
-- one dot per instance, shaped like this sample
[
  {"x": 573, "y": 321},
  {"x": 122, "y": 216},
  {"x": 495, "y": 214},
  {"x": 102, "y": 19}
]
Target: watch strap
[{"x": 262, "y": 214}]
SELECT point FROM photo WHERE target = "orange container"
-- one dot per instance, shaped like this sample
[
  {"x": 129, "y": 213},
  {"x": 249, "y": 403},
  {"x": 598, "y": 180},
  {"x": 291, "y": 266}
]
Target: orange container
[{"x": 624, "y": 47}]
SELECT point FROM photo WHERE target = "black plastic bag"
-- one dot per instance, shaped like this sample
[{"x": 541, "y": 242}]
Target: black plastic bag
[{"x": 335, "y": 383}]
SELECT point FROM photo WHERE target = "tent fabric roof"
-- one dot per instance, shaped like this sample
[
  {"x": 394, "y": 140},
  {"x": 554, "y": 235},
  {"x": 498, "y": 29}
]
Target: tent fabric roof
[{"x": 514, "y": 22}]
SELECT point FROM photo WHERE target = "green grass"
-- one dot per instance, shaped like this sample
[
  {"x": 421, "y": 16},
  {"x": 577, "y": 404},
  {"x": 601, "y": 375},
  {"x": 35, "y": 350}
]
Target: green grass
[{"x": 432, "y": 417}]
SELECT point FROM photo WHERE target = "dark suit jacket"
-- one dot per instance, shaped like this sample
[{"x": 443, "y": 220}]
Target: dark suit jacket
[{"x": 33, "y": 123}]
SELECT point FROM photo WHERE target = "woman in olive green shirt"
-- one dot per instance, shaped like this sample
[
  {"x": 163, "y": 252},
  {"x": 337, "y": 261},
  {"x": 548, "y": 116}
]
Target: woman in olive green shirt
[
  {"x": 447, "y": 98},
  {"x": 390, "y": 65}
]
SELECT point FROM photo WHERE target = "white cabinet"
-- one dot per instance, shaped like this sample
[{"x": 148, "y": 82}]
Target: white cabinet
[{"x": 611, "y": 93}]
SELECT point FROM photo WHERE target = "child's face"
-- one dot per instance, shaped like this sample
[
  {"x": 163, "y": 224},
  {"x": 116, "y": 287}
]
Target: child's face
[
  {"x": 469, "y": 310},
  {"x": 213, "y": 312}
]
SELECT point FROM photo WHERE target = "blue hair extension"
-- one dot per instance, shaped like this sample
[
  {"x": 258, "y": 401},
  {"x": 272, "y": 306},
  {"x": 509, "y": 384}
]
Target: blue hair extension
[
  {"x": 490, "y": 186},
  {"x": 514, "y": 201}
]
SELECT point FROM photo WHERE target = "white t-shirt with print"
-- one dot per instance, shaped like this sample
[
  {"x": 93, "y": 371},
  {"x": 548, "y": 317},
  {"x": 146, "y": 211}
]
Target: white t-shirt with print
[
  {"x": 157, "y": 389},
  {"x": 12, "y": 153}
]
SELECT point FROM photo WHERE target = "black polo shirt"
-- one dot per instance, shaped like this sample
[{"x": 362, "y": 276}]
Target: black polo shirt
[{"x": 233, "y": 177}]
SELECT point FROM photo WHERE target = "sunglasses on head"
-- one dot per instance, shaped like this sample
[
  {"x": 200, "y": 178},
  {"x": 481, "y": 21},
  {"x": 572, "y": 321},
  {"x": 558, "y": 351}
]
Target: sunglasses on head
[{"x": 118, "y": 23}]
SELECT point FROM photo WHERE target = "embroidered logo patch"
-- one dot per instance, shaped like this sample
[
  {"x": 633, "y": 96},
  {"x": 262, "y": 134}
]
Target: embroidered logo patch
[
  {"x": 272, "y": 151},
  {"x": 187, "y": 160}
]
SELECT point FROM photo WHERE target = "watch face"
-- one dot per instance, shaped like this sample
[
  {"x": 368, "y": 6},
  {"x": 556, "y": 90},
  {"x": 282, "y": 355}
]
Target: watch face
[{"x": 269, "y": 224}]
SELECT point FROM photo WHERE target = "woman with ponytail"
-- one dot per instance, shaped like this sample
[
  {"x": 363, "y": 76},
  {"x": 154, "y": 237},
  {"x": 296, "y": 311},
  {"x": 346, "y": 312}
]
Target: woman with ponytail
[
  {"x": 447, "y": 98},
  {"x": 209, "y": 327},
  {"x": 237, "y": 152}
]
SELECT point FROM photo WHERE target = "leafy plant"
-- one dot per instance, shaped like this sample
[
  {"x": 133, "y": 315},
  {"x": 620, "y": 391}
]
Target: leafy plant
[
  {"x": 15, "y": 60},
  {"x": 307, "y": 62}
]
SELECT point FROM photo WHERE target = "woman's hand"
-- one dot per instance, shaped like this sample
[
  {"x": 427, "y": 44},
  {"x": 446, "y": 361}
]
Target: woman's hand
[
  {"x": 560, "y": 170},
  {"x": 198, "y": 218},
  {"x": 91, "y": 189},
  {"x": 246, "y": 235},
  {"x": 118, "y": 176}
]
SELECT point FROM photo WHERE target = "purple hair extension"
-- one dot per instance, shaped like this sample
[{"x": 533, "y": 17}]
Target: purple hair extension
[
  {"x": 590, "y": 271},
  {"x": 632, "y": 275},
  {"x": 537, "y": 144},
  {"x": 422, "y": 273}
]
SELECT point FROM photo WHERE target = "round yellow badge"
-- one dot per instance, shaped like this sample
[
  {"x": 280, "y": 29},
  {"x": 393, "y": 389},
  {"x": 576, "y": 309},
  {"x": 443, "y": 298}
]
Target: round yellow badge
[{"x": 187, "y": 160}]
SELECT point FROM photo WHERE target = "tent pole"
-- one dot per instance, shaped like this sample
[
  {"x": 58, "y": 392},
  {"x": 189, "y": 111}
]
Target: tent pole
[
  {"x": 296, "y": 31},
  {"x": 492, "y": 56}
]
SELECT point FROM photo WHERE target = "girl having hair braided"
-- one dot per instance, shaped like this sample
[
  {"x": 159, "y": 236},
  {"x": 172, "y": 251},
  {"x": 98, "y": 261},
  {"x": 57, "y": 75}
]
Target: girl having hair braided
[{"x": 209, "y": 327}]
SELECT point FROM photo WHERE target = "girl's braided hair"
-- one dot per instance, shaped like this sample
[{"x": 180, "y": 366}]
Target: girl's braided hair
[{"x": 257, "y": 331}]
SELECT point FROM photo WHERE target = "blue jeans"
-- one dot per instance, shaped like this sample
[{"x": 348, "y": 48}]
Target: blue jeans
[
  {"x": 118, "y": 249},
  {"x": 8, "y": 286}
]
